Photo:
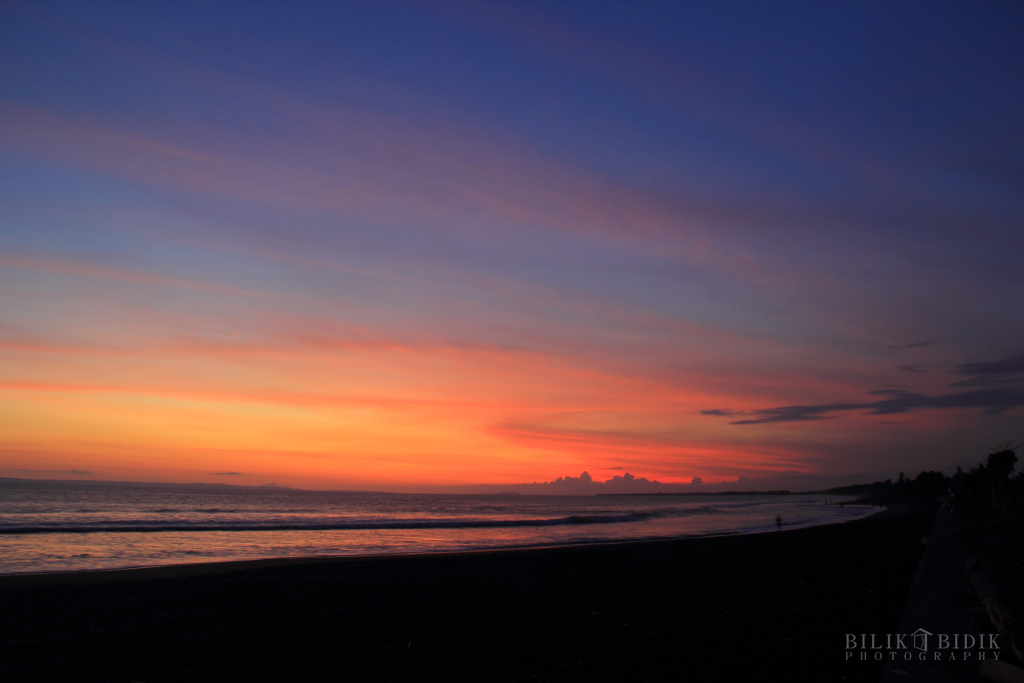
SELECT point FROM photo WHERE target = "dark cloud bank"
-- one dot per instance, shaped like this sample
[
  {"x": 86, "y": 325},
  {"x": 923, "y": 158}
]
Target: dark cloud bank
[{"x": 992, "y": 387}]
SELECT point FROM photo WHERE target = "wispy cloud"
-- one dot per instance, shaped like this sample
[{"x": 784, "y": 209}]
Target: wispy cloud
[
  {"x": 912, "y": 368},
  {"x": 1009, "y": 369},
  {"x": 71, "y": 471},
  {"x": 1001, "y": 382},
  {"x": 913, "y": 345},
  {"x": 80, "y": 269}
]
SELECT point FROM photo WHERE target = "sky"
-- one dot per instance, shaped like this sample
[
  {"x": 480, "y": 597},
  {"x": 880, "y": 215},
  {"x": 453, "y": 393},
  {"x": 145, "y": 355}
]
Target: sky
[{"x": 403, "y": 246}]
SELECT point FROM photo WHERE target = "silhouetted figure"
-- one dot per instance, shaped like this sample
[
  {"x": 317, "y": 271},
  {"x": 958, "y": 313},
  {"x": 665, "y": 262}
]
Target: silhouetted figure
[{"x": 778, "y": 522}]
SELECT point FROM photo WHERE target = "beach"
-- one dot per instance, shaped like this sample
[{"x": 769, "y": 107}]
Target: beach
[
  {"x": 690, "y": 609},
  {"x": 515, "y": 341}
]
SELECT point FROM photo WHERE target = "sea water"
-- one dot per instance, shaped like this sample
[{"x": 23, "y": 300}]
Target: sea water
[{"x": 69, "y": 526}]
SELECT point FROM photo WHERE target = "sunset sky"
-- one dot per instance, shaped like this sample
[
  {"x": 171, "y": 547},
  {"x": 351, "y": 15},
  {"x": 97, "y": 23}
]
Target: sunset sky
[{"x": 401, "y": 245}]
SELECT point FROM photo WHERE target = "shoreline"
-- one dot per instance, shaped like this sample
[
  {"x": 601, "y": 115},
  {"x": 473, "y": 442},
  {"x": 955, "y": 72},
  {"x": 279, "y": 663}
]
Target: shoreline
[
  {"x": 215, "y": 567},
  {"x": 698, "y": 608}
]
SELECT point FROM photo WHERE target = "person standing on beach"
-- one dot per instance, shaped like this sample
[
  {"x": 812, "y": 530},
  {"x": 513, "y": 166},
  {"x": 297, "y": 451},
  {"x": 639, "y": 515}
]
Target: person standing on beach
[{"x": 778, "y": 522}]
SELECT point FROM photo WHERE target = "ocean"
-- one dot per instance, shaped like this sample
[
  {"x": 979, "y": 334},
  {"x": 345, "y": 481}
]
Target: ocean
[{"x": 48, "y": 526}]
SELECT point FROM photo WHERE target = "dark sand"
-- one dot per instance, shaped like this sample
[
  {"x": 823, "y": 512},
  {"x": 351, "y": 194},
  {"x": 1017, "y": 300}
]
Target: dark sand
[{"x": 710, "y": 609}]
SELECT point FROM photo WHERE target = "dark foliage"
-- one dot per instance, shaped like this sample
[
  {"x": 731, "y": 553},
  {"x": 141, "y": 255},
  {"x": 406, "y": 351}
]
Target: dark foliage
[
  {"x": 988, "y": 501},
  {"x": 991, "y": 485},
  {"x": 926, "y": 486}
]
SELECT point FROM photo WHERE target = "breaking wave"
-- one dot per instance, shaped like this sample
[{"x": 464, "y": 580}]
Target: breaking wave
[{"x": 146, "y": 526}]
